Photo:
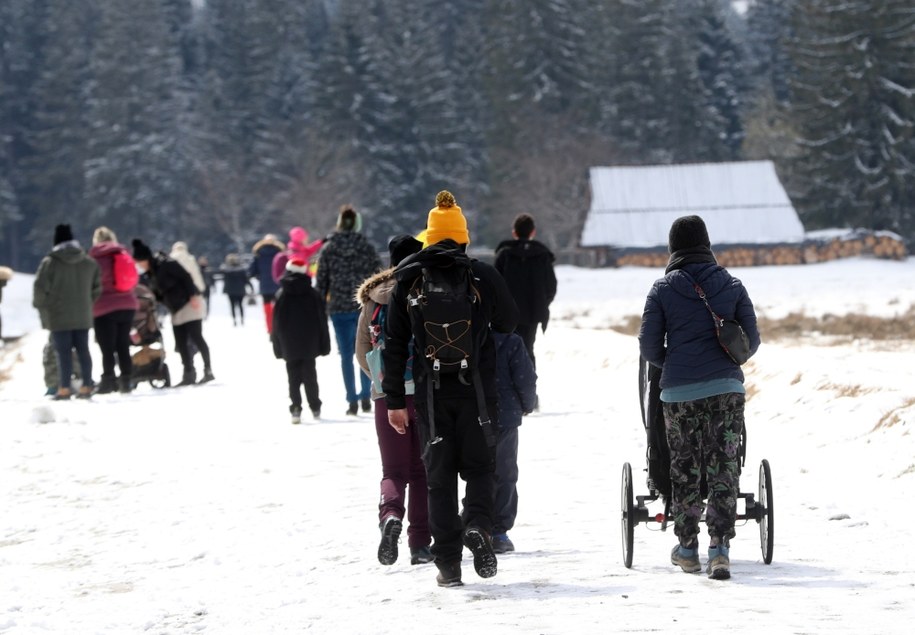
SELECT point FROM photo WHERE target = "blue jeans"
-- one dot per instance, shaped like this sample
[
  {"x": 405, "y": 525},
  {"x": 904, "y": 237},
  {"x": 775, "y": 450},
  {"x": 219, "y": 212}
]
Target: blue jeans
[
  {"x": 345, "y": 332},
  {"x": 64, "y": 343}
]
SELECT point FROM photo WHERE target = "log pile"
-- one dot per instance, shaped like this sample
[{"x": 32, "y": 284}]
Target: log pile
[{"x": 884, "y": 245}]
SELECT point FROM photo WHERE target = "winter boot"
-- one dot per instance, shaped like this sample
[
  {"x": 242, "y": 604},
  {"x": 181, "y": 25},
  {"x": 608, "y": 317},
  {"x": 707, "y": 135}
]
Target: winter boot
[
  {"x": 62, "y": 394},
  {"x": 484, "y": 559},
  {"x": 107, "y": 385},
  {"x": 296, "y": 412},
  {"x": 207, "y": 376},
  {"x": 686, "y": 558},
  {"x": 420, "y": 555},
  {"x": 189, "y": 378},
  {"x": 85, "y": 392},
  {"x": 390, "y": 534},
  {"x": 501, "y": 543},
  {"x": 366, "y": 405},
  {"x": 316, "y": 413},
  {"x": 353, "y": 408},
  {"x": 125, "y": 385},
  {"x": 719, "y": 563},
  {"x": 449, "y": 574}
]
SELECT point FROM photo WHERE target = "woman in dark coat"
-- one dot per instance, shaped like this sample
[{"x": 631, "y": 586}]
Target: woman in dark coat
[
  {"x": 702, "y": 391},
  {"x": 235, "y": 284},
  {"x": 265, "y": 250},
  {"x": 175, "y": 288}
]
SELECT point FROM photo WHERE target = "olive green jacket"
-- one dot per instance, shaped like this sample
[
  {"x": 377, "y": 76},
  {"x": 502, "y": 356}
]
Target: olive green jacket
[{"x": 66, "y": 286}]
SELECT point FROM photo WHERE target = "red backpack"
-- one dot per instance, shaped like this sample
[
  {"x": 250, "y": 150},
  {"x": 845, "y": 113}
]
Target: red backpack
[{"x": 124, "y": 271}]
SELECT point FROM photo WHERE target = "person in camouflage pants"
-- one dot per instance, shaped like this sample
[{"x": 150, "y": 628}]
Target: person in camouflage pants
[{"x": 704, "y": 438}]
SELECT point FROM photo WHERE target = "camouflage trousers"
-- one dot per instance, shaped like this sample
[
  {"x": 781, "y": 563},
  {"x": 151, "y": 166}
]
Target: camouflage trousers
[{"x": 704, "y": 437}]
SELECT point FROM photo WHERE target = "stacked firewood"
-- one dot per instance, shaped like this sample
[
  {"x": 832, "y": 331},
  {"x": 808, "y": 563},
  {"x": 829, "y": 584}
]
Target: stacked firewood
[{"x": 859, "y": 242}]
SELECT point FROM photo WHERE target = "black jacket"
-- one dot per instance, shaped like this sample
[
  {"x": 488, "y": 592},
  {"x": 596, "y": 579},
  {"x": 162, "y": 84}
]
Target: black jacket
[
  {"x": 527, "y": 266},
  {"x": 496, "y": 309},
  {"x": 173, "y": 285},
  {"x": 299, "y": 320}
]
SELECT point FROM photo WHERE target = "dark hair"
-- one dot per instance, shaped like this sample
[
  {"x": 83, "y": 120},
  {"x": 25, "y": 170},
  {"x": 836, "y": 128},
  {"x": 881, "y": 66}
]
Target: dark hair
[
  {"x": 523, "y": 226},
  {"x": 347, "y": 219}
]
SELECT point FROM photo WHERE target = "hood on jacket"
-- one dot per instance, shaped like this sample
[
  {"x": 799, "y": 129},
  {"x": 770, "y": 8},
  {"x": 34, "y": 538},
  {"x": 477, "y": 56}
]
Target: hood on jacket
[
  {"x": 441, "y": 253},
  {"x": 293, "y": 283},
  {"x": 105, "y": 248},
  {"x": 711, "y": 277},
  {"x": 525, "y": 249},
  {"x": 68, "y": 252},
  {"x": 376, "y": 288},
  {"x": 268, "y": 241}
]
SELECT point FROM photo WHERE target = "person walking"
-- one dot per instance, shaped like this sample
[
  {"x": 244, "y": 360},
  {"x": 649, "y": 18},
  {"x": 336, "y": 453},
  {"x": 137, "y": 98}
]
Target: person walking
[
  {"x": 114, "y": 309},
  {"x": 66, "y": 286},
  {"x": 174, "y": 287},
  {"x": 297, "y": 247},
  {"x": 452, "y": 407},
  {"x": 235, "y": 284},
  {"x": 300, "y": 335},
  {"x": 345, "y": 261},
  {"x": 527, "y": 266},
  {"x": 401, "y": 454},
  {"x": 265, "y": 250},
  {"x": 702, "y": 391},
  {"x": 516, "y": 381}
]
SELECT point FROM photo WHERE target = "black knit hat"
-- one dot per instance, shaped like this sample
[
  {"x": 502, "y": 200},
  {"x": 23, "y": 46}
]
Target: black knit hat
[
  {"x": 62, "y": 233},
  {"x": 402, "y": 246},
  {"x": 687, "y": 232},
  {"x": 140, "y": 250}
]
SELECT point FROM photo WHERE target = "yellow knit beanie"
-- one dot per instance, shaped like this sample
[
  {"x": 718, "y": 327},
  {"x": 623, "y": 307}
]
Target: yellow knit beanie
[{"x": 446, "y": 221}]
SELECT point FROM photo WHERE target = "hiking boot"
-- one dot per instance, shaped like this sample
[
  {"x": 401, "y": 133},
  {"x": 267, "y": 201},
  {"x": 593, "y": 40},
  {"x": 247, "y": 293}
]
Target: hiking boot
[
  {"x": 484, "y": 559},
  {"x": 421, "y": 555},
  {"x": 296, "y": 413},
  {"x": 719, "y": 564},
  {"x": 449, "y": 574},
  {"x": 366, "y": 405},
  {"x": 316, "y": 413},
  {"x": 188, "y": 379},
  {"x": 353, "y": 408},
  {"x": 390, "y": 534},
  {"x": 107, "y": 385},
  {"x": 62, "y": 394},
  {"x": 501, "y": 543},
  {"x": 207, "y": 376},
  {"x": 687, "y": 559},
  {"x": 125, "y": 385}
]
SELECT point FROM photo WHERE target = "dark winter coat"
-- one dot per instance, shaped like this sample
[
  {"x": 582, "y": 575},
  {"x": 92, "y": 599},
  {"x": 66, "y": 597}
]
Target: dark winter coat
[
  {"x": 345, "y": 261},
  {"x": 495, "y": 308},
  {"x": 111, "y": 299},
  {"x": 260, "y": 268},
  {"x": 173, "y": 285},
  {"x": 674, "y": 313},
  {"x": 66, "y": 286},
  {"x": 527, "y": 266},
  {"x": 516, "y": 379},
  {"x": 235, "y": 281},
  {"x": 299, "y": 320}
]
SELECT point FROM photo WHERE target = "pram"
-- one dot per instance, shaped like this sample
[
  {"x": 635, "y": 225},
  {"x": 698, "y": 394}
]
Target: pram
[
  {"x": 148, "y": 362},
  {"x": 635, "y": 508}
]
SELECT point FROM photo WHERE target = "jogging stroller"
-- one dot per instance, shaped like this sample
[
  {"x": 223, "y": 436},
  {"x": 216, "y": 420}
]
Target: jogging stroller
[
  {"x": 635, "y": 508},
  {"x": 146, "y": 334}
]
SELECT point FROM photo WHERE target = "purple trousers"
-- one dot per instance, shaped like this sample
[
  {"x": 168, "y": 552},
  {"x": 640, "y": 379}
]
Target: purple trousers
[{"x": 402, "y": 465}]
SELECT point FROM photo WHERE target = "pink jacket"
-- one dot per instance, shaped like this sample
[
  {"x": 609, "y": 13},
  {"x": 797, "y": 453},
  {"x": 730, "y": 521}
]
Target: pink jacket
[{"x": 110, "y": 300}]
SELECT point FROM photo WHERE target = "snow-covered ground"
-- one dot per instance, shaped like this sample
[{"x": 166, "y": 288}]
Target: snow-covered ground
[{"x": 202, "y": 509}]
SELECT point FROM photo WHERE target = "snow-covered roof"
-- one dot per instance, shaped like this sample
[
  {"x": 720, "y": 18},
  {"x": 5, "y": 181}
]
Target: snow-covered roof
[{"x": 741, "y": 203}]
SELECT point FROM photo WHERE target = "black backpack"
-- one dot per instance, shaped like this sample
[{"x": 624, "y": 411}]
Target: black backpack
[{"x": 442, "y": 303}]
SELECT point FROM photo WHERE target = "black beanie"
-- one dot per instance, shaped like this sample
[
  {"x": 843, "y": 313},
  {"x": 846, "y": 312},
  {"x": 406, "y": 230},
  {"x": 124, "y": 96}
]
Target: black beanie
[
  {"x": 62, "y": 234},
  {"x": 141, "y": 251},
  {"x": 402, "y": 246},
  {"x": 687, "y": 232}
]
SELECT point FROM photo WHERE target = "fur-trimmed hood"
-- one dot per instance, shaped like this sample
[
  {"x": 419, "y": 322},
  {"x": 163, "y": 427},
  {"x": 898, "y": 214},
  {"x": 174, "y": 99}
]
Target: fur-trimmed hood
[
  {"x": 263, "y": 242},
  {"x": 376, "y": 288}
]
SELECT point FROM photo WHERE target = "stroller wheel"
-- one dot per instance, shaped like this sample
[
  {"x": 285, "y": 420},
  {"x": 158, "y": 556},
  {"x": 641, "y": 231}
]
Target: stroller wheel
[
  {"x": 627, "y": 516},
  {"x": 767, "y": 522},
  {"x": 162, "y": 380}
]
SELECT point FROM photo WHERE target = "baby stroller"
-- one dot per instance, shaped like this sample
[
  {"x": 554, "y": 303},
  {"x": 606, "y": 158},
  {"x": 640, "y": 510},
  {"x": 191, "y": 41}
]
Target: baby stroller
[
  {"x": 635, "y": 508},
  {"x": 148, "y": 362}
]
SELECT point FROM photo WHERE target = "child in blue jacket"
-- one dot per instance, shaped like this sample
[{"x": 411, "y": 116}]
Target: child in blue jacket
[{"x": 516, "y": 380}]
